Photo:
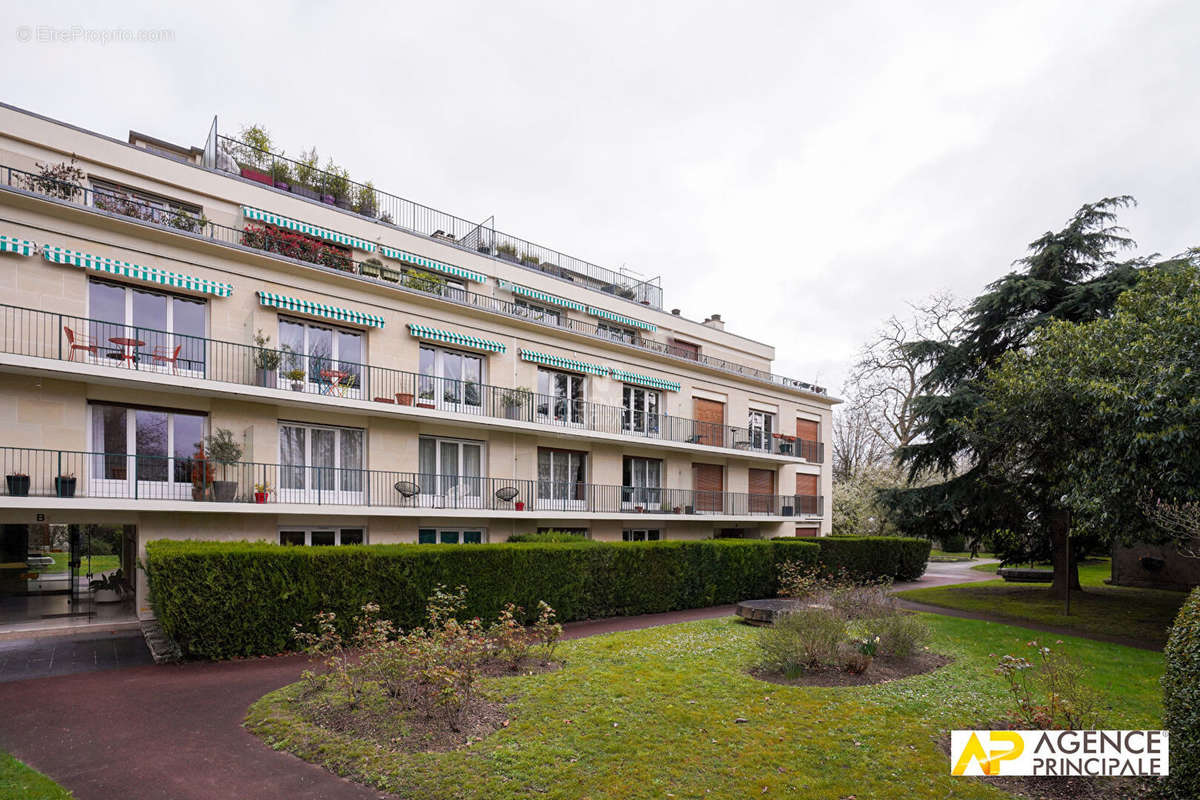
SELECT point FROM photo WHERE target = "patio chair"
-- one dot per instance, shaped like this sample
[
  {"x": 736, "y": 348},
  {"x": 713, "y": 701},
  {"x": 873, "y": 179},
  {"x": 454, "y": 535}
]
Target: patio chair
[
  {"x": 166, "y": 355},
  {"x": 78, "y": 342}
]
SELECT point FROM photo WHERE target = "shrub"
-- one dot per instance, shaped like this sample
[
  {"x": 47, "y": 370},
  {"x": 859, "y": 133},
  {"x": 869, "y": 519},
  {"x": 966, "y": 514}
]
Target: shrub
[
  {"x": 225, "y": 599},
  {"x": 954, "y": 543},
  {"x": 807, "y": 638},
  {"x": 1049, "y": 692},
  {"x": 862, "y": 601},
  {"x": 1181, "y": 702},
  {"x": 550, "y": 536},
  {"x": 900, "y": 635},
  {"x": 874, "y": 557}
]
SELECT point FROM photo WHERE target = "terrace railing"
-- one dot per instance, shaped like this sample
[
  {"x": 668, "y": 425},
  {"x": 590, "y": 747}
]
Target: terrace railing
[
  {"x": 33, "y": 472},
  {"x": 328, "y": 257},
  {"x": 63, "y": 337}
]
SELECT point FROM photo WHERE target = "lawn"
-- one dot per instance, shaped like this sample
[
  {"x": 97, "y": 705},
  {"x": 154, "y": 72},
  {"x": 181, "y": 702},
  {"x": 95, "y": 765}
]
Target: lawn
[
  {"x": 1142, "y": 614},
  {"x": 653, "y": 714},
  {"x": 942, "y": 555},
  {"x": 98, "y": 564},
  {"x": 19, "y": 782}
]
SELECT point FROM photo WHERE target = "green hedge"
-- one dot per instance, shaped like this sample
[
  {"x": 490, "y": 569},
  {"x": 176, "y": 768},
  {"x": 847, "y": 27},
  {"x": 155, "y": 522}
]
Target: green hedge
[
  {"x": 873, "y": 557},
  {"x": 225, "y": 599},
  {"x": 1181, "y": 702}
]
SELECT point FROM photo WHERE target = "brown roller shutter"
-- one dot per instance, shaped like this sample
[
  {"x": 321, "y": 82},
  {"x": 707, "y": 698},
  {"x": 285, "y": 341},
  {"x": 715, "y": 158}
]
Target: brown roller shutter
[
  {"x": 708, "y": 481},
  {"x": 808, "y": 430},
  {"x": 808, "y": 532},
  {"x": 710, "y": 422},
  {"x": 762, "y": 488},
  {"x": 807, "y": 484}
]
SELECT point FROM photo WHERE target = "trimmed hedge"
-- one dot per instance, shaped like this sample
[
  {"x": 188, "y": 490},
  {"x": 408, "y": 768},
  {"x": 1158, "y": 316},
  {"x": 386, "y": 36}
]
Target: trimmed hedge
[
  {"x": 1181, "y": 702},
  {"x": 225, "y": 599},
  {"x": 873, "y": 557}
]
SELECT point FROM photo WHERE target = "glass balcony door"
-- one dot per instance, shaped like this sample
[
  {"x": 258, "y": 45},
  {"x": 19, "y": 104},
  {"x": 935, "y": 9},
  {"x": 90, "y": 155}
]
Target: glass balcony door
[
  {"x": 560, "y": 397},
  {"x": 330, "y": 358},
  {"x": 562, "y": 480},
  {"x": 143, "y": 453},
  {"x": 450, "y": 379},
  {"x": 641, "y": 411},
  {"x": 641, "y": 484},
  {"x": 150, "y": 330},
  {"x": 451, "y": 473},
  {"x": 761, "y": 426},
  {"x": 320, "y": 464}
]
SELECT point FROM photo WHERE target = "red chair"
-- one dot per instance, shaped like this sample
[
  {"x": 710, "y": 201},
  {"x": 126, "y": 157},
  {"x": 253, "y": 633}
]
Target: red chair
[
  {"x": 78, "y": 342},
  {"x": 165, "y": 355}
]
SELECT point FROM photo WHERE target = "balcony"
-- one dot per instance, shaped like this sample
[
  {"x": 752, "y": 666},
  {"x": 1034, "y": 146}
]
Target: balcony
[
  {"x": 124, "y": 349},
  {"x": 73, "y": 474},
  {"x": 322, "y": 256}
]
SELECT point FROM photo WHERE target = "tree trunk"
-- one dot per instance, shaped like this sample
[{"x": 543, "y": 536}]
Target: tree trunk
[{"x": 1066, "y": 568}]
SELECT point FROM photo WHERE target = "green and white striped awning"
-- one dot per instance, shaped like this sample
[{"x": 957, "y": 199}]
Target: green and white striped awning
[
  {"x": 633, "y": 323},
  {"x": 61, "y": 255},
  {"x": 525, "y": 291},
  {"x": 450, "y": 337},
  {"x": 645, "y": 380},
  {"x": 429, "y": 263},
  {"x": 11, "y": 244},
  {"x": 563, "y": 363},
  {"x": 319, "y": 309},
  {"x": 303, "y": 227}
]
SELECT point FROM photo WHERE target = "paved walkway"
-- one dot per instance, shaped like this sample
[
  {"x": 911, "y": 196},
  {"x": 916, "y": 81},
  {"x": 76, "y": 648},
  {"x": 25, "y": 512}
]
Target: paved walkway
[
  {"x": 22, "y": 659},
  {"x": 939, "y": 573}
]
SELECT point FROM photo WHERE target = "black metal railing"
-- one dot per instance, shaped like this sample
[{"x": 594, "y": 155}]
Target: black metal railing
[
  {"x": 119, "y": 345},
  {"x": 318, "y": 185},
  {"x": 297, "y": 247},
  {"x": 35, "y": 472}
]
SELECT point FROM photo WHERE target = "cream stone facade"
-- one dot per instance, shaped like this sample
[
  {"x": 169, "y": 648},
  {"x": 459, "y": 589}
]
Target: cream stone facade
[{"x": 449, "y": 391}]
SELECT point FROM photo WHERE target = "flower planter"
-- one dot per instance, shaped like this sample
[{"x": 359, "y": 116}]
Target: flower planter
[
  {"x": 64, "y": 487},
  {"x": 327, "y": 198},
  {"x": 18, "y": 485},
  {"x": 106, "y": 596},
  {"x": 343, "y": 204},
  {"x": 199, "y": 493},
  {"x": 677, "y": 510},
  {"x": 389, "y": 275},
  {"x": 297, "y": 386},
  {"x": 260, "y": 497},
  {"x": 224, "y": 491},
  {"x": 255, "y": 175},
  {"x": 639, "y": 509},
  {"x": 388, "y": 400},
  {"x": 283, "y": 185},
  {"x": 423, "y": 404},
  {"x": 265, "y": 378},
  {"x": 304, "y": 191},
  {"x": 404, "y": 398},
  {"x": 519, "y": 505}
]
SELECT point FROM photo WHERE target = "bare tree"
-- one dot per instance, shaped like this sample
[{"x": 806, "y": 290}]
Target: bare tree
[
  {"x": 1181, "y": 521},
  {"x": 856, "y": 446}
]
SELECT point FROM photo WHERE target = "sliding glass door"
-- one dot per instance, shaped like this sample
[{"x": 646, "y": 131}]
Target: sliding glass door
[
  {"x": 143, "y": 452},
  {"x": 451, "y": 473},
  {"x": 320, "y": 464}
]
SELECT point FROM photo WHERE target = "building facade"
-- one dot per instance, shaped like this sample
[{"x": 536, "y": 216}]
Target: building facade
[{"x": 376, "y": 371}]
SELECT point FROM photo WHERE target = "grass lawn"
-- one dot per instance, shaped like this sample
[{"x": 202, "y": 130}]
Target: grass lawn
[
  {"x": 1143, "y": 614},
  {"x": 651, "y": 714},
  {"x": 19, "y": 782},
  {"x": 99, "y": 564}
]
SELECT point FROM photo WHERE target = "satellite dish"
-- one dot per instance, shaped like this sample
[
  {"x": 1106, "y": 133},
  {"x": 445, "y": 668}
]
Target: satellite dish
[{"x": 407, "y": 488}]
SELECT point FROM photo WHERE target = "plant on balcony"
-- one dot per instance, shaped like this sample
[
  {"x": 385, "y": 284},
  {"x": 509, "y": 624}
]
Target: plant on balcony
[
  {"x": 372, "y": 267},
  {"x": 506, "y": 251},
  {"x": 225, "y": 450},
  {"x": 62, "y": 180},
  {"x": 306, "y": 175},
  {"x": 281, "y": 173},
  {"x": 514, "y": 400},
  {"x": 337, "y": 184},
  {"x": 253, "y": 153},
  {"x": 530, "y": 260},
  {"x": 266, "y": 360},
  {"x": 64, "y": 485},
  {"x": 202, "y": 473},
  {"x": 296, "y": 376},
  {"x": 365, "y": 200},
  {"x": 182, "y": 220},
  {"x": 386, "y": 217},
  {"x": 296, "y": 245},
  {"x": 424, "y": 281},
  {"x": 262, "y": 491},
  {"x": 18, "y": 484}
]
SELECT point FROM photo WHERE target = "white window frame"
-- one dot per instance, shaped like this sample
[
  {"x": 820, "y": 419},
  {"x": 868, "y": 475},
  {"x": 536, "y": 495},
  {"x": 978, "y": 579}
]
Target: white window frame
[
  {"x": 129, "y": 330},
  {"x": 309, "y": 530},
  {"x": 314, "y": 494},
  {"x": 761, "y": 425},
  {"x": 100, "y": 486},
  {"x": 313, "y": 386},
  {"x": 570, "y": 503},
  {"x": 651, "y": 421},
  {"x": 440, "y": 381},
  {"x": 543, "y": 314},
  {"x": 617, "y": 333},
  {"x": 547, "y": 402},
  {"x": 649, "y": 497},
  {"x": 453, "y": 490}
]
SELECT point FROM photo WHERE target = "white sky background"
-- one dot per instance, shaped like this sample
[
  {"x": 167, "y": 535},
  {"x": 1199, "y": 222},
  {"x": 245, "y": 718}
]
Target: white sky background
[{"x": 803, "y": 169}]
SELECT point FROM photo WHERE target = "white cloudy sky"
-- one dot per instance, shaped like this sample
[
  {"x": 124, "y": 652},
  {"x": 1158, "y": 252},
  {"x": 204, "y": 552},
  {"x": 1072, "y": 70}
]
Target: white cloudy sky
[{"x": 802, "y": 168}]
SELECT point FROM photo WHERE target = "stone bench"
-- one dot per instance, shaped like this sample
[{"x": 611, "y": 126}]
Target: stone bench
[{"x": 1015, "y": 575}]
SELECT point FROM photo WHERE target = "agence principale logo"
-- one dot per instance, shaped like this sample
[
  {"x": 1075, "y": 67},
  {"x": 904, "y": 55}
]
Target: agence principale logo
[{"x": 1059, "y": 753}]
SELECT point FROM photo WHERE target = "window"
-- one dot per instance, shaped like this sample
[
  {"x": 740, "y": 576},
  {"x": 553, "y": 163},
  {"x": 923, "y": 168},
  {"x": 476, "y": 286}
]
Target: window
[
  {"x": 684, "y": 349},
  {"x": 321, "y": 350},
  {"x": 561, "y": 396},
  {"x": 322, "y": 537},
  {"x": 450, "y": 377},
  {"x": 641, "y": 410},
  {"x": 641, "y": 535},
  {"x": 435, "y": 283},
  {"x": 451, "y": 536},
  {"x": 562, "y": 478},
  {"x": 537, "y": 313},
  {"x": 761, "y": 426},
  {"x": 641, "y": 482},
  {"x": 320, "y": 463},
  {"x": 451, "y": 472},
  {"x": 151, "y": 446},
  {"x": 617, "y": 333},
  {"x": 146, "y": 207},
  {"x": 160, "y": 321}
]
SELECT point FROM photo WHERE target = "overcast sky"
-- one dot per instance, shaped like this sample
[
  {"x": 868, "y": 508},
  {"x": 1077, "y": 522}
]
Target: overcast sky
[{"x": 803, "y": 169}]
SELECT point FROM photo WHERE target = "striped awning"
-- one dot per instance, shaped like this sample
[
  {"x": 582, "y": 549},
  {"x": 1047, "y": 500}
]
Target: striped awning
[
  {"x": 450, "y": 337},
  {"x": 633, "y": 323},
  {"x": 645, "y": 380},
  {"x": 61, "y": 255},
  {"x": 319, "y": 309},
  {"x": 563, "y": 363},
  {"x": 525, "y": 291},
  {"x": 429, "y": 263},
  {"x": 11, "y": 244},
  {"x": 259, "y": 215}
]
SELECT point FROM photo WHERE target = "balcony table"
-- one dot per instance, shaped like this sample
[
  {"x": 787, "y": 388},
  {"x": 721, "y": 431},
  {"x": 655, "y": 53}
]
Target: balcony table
[
  {"x": 333, "y": 380},
  {"x": 129, "y": 348}
]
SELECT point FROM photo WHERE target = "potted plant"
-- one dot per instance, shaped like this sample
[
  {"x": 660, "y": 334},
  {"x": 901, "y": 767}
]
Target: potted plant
[
  {"x": 18, "y": 484},
  {"x": 530, "y": 260},
  {"x": 365, "y": 201},
  {"x": 64, "y": 485},
  {"x": 404, "y": 398},
  {"x": 423, "y": 403},
  {"x": 519, "y": 505},
  {"x": 514, "y": 400},
  {"x": 372, "y": 267},
  {"x": 202, "y": 473},
  {"x": 639, "y": 509},
  {"x": 110, "y": 588},
  {"x": 266, "y": 360},
  {"x": 677, "y": 510},
  {"x": 261, "y": 491},
  {"x": 389, "y": 274},
  {"x": 296, "y": 376},
  {"x": 223, "y": 449},
  {"x": 306, "y": 175},
  {"x": 281, "y": 174},
  {"x": 506, "y": 251}
]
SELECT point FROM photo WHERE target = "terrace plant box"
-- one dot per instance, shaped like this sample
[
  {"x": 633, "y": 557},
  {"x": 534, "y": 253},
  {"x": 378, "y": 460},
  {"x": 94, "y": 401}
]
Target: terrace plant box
[
  {"x": 304, "y": 191},
  {"x": 64, "y": 486},
  {"x": 404, "y": 398},
  {"x": 18, "y": 485},
  {"x": 283, "y": 185},
  {"x": 389, "y": 274},
  {"x": 255, "y": 175}
]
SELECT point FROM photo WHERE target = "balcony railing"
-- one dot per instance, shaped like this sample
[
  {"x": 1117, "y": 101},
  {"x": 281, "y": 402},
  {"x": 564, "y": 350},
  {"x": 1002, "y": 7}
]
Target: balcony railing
[
  {"x": 328, "y": 257},
  {"x": 317, "y": 185},
  {"x": 31, "y": 472},
  {"x": 45, "y": 334}
]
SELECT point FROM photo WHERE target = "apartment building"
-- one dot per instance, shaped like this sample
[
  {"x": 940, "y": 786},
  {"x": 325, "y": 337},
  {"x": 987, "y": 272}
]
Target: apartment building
[{"x": 378, "y": 371}]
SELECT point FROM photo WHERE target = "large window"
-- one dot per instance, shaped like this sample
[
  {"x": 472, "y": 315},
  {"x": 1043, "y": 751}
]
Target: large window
[
  {"x": 320, "y": 464},
  {"x": 146, "y": 207},
  {"x": 641, "y": 535},
  {"x": 331, "y": 358},
  {"x": 562, "y": 478},
  {"x": 451, "y": 536},
  {"x": 535, "y": 312},
  {"x": 322, "y": 537},
  {"x": 159, "y": 330},
  {"x": 451, "y": 472},
  {"x": 641, "y": 413},
  {"x": 146, "y": 452},
  {"x": 561, "y": 396},
  {"x": 616, "y": 332},
  {"x": 450, "y": 378},
  {"x": 761, "y": 425},
  {"x": 641, "y": 482}
]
